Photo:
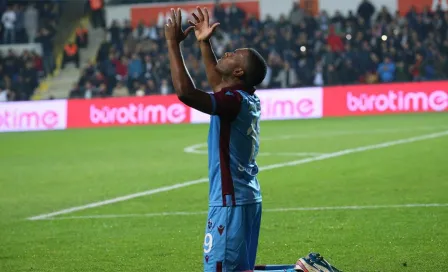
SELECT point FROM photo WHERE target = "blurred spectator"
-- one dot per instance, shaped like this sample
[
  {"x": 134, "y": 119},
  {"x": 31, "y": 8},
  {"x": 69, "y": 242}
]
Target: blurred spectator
[
  {"x": 21, "y": 35},
  {"x": 287, "y": 77},
  {"x": 71, "y": 54},
  {"x": 332, "y": 77},
  {"x": 4, "y": 94},
  {"x": 108, "y": 69},
  {"x": 45, "y": 38},
  {"x": 151, "y": 87},
  {"x": 366, "y": 11},
  {"x": 31, "y": 18},
  {"x": 135, "y": 69},
  {"x": 120, "y": 90},
  {"x": 335, "y": 41},
  {"x": 82, "y": 37},
  {"x": 165, "y": 87},
  {"x": 97, "y": 15},
  {"x": 386, "y": 70},
  {"x": 384, "y": 16},
  {"x": 9, "y": 19},
  {"x": 297, "y": 15},
  {"x": 76, "y": 91},
  {"x": 115, "y": 34},
  {"x": 90, "y": 90},
  {"x": 319, "y": 74},
  {"x": 416, "y": 69},
  {"x": 141, "y": 31}
]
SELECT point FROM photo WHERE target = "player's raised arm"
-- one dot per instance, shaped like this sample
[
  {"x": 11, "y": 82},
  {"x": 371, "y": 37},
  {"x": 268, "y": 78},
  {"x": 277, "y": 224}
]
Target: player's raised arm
[
  {"x": 203, "y": 31},
  {"x": 183, "y": 84}
]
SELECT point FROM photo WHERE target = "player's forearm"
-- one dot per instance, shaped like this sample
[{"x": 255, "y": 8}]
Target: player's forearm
[
  {"x": 182, "y": 82},
  {"x": 209, "y": 58}
]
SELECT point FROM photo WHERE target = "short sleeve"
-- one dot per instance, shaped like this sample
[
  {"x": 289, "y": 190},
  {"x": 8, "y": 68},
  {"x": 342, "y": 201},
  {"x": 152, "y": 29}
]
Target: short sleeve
[{"x": 226, "y": 103}]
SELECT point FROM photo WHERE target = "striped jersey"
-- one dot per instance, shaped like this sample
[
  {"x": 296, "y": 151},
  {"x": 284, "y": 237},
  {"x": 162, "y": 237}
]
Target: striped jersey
[{"x": 233, "y": 144}]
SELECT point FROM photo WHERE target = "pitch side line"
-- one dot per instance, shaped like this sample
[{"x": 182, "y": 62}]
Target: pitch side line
[
  {"x": 351, "y": 132},
  {"x": 274, "y": 210},
  {"x": 264, "y": 168},
  {"x": 196, "y": 148}
]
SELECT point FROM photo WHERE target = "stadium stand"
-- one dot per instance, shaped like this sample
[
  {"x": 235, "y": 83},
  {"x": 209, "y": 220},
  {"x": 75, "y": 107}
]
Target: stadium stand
[
  {"x": 26, "y": 46},
  {"x": 301, "y": 50},
  {"x": 366, "y": 46}
]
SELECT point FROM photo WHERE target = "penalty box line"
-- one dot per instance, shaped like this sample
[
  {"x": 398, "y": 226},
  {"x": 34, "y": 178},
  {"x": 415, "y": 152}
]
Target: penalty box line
[{"x": 263, "y": 168}]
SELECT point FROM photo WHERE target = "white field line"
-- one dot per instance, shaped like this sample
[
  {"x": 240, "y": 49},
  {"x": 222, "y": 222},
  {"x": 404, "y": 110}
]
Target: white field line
[
  {"x": 196, "y": 149},
  {"x": 352, "y": 132},
  {"x": 298, "y": 154},
  {"x": 263, "y": 168},
  {"x": 274, "y": 210}
]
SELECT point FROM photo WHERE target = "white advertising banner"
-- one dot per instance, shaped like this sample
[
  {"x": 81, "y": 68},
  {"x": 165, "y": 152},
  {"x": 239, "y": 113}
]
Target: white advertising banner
[
  {"x": 33, "y": 115},
  {"x": 282, "y": 104}
]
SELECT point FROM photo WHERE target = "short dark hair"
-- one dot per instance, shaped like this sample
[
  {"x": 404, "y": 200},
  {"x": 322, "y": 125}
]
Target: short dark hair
[{"x": 256, "y": 68}]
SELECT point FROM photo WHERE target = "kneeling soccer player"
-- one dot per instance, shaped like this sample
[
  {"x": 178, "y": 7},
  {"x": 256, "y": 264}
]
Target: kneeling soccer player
[{"x": 234, "y": 215}]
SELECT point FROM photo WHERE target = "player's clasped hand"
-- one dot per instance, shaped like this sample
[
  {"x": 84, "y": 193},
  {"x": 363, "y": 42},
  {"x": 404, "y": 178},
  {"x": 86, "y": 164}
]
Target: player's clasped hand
[
  {"x": 173, "y": 29},
  {"x": 202, "y": 28}
]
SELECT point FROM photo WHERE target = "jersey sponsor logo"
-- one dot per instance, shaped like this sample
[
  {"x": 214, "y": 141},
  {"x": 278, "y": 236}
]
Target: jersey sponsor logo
[
  {"x": 386, "y": 98},
  {"x": 127, "y": 111},
  {"x": 28, "y": 116},
  {"x": 249, "y": 170}
]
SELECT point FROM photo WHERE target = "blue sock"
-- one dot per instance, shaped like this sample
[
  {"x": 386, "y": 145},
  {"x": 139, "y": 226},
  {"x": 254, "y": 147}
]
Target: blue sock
[
  {"x": 282, "y": 270},
  {"x": 275, "y": 268}
]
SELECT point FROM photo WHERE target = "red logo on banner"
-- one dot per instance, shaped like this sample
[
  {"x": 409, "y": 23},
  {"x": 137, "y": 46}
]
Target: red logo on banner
[
  {"x": 404, "y": 6},
  {"x": 127, "y": 111},
  {"x": 151, "y": 14},
  {"x": 386, "y": 98}
]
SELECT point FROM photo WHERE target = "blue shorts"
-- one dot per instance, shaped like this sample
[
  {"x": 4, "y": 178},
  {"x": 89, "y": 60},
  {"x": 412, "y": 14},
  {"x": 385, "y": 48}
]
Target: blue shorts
[{"x": 231, "y": 238}]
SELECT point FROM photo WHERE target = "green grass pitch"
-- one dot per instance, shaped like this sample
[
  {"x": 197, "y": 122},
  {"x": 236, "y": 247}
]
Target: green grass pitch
[{"x": 44, "y": 172}]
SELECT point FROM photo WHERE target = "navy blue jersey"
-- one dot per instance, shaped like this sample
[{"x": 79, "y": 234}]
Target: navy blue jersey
[{"x": 233, "y": 143}]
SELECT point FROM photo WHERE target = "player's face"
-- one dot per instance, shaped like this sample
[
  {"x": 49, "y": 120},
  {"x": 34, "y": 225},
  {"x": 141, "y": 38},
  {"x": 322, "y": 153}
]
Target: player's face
[{"x": 232, "y": 63}]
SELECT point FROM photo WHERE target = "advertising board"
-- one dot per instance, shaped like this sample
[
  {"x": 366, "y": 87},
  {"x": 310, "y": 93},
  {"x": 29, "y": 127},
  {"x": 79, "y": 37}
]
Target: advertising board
[
  {"x": 148, "y": 110},
  {"x": 386, "y": 98},
  {"x": 32, "y": 115},
  {"x": 282, "y": 104}
]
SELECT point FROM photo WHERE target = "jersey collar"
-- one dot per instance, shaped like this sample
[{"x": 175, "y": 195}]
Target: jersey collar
[{"x": 241, "y": 88}]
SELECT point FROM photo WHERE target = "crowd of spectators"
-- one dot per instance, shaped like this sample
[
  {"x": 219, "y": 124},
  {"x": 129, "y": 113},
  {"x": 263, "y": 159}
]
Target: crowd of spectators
[
  {"x": 25, "y": 22},
  {"x": 365, "y": 46},
  {"x": 19, "y": 75}
]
